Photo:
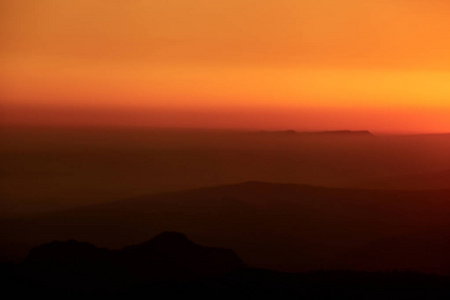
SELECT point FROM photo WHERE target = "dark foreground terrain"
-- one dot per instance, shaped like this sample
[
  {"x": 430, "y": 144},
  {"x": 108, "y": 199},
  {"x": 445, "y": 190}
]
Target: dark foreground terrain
[
  {"x": 283, "y": 227},
  {"x": 170, "y": 265}
]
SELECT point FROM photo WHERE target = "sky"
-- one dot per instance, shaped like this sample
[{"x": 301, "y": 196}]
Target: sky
[{"x": 380, "y": 65}]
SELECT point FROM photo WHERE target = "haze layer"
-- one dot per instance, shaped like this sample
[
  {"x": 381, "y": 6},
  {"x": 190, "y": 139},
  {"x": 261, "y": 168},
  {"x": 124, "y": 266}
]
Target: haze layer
[{"x": 308, "y": 64}]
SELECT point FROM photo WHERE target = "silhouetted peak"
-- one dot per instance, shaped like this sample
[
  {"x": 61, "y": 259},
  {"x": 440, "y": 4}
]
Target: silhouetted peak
[
  {"x": 168, "y": 255},
  {"x": 173, "y": 254},
  {"x": 171, "y": 237}
]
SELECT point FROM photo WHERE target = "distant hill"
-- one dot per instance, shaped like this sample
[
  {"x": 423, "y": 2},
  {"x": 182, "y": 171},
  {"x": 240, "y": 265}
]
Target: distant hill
[
  {"x": 341, "y": 133},
  {"x": 278, "y": 226},
  {"x": 337, "y": 133},
  {"x": 443, "y": 134},
  {"x": 424, "y": 181}
]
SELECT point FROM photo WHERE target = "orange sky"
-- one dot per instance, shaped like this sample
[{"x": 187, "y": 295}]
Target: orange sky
[{"x": 303, "y": 64}]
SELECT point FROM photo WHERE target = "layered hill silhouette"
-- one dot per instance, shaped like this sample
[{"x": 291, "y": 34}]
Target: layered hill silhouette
[
  {"x": 53, "y": 169},
  {"x": 169, "y": 255},
  {"x": 278, "y": 226},
  {"x": 171, "y": 265}
]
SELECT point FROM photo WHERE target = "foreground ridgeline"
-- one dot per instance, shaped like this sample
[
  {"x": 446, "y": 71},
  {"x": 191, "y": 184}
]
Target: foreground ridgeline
[
  {"x": 172, "y": 265},
  {"x": 170, "y": 255},
  {"x": 283, "y": 227}
]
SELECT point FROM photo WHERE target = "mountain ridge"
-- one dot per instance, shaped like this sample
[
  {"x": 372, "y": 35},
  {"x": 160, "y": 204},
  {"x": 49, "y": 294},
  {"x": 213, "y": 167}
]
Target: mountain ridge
[
  {"x": 277, "y": 226},
  {"x": 82, "y": 269},
  {"x": 167, "y": 255}
]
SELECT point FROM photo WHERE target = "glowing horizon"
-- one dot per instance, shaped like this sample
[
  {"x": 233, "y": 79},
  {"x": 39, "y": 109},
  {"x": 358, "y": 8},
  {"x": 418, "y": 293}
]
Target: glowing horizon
[{"x": 311, "y": 65}]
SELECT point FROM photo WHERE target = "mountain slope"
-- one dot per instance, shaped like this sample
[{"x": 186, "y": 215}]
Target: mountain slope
[{"x": 280, "y": 226}]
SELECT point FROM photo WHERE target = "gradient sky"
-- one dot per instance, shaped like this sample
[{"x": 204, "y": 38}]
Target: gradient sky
[{"x": 382, "y": 65}]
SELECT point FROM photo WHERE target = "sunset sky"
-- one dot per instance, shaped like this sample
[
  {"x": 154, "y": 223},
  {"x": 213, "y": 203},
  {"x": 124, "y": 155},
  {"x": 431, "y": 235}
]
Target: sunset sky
[{"x": 381, "y": 65}]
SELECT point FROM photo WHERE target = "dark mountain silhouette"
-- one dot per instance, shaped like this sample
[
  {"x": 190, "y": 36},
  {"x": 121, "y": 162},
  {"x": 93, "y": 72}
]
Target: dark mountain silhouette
[
  {"x": 170, "y": 255},
  {"x": 278, "y": 226},
  {"x": 170, "y": 265},
  {"x": 173, "y": 254}
]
